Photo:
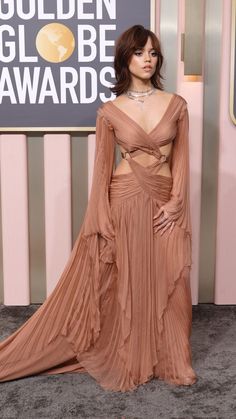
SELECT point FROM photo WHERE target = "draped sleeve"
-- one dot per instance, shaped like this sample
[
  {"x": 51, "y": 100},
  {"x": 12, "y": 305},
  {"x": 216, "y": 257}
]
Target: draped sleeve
[
  {"x": 178, "y": 207},
  {"x": 97, "y": 226},
  {"x": 94, "y": 248}
]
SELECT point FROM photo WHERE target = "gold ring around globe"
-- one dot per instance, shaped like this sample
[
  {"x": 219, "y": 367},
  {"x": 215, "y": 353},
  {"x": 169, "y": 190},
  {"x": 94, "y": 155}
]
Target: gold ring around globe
[{"x": 55, "y": 42}]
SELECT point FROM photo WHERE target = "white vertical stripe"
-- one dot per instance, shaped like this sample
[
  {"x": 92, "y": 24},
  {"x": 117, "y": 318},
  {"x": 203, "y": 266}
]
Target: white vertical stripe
[
  {"x": 158, "y": 12},
  {"x": 57, "y": 178},
  {"x": 153, "y": 15},
  {"x": 91, "y": 155},
  {"x": 14, "y": 200},
  {"x": 169, "y": 39}
]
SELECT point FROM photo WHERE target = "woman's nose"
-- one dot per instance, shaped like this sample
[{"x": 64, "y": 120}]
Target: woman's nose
[{"x": 147, "y": 57}]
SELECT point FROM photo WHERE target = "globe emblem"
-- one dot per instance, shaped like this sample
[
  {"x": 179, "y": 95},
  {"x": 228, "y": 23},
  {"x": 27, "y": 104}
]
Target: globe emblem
[{"x": 55, "y": 42}]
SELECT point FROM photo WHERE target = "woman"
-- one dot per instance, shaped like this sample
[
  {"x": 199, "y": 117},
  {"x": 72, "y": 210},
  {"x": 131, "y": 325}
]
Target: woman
[{"x": 122, "y": 308}]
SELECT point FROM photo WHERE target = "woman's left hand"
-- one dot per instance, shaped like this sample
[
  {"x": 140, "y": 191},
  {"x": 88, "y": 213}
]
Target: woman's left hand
[{"x": 163, "y": 223}]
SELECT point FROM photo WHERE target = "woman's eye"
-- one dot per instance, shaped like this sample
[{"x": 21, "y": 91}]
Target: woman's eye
[
  {"x": 138, "y": 53},
  {"x": 154, "y": 53}
]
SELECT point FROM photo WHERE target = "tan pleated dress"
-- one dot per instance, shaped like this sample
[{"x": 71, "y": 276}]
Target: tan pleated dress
[{"x": 122, "y": 308}]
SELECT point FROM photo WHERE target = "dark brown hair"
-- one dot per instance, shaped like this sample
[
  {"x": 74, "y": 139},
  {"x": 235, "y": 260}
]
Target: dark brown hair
[{"x": 127, "y": 43}]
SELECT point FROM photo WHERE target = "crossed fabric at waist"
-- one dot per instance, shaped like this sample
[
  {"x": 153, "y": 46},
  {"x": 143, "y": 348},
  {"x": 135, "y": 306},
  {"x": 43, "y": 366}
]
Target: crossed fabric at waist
[
  {"x": 149, "y": 181},
  {"x": 162, "y": 158}
]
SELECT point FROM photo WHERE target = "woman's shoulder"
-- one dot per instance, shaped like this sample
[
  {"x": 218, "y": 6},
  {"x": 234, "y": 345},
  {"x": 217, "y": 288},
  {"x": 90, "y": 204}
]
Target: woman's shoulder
[
  {"x": 106, "y": 109},
  {"x": 181, "y": 99},
  {"x": 179, "y": 103},
  {"x": 103, "y": 112},
  {"x": 170, "y": 95},
  {"x": 104, "y": 106},
  {"x": 102, "y": 109}
]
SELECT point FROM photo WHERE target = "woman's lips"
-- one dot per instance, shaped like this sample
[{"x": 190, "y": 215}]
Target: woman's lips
[{"x": 147, "y": 68}]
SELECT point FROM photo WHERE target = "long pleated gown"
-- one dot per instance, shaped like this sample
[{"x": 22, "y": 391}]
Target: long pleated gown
[{"x": 121, "y": 310}]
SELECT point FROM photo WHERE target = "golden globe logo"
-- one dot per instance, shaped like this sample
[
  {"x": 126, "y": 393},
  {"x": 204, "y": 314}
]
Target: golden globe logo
[
  {"x": 55, "y": 42},
  {"x": 56, "y": 59},
  {"x": 88, "y": 43}
]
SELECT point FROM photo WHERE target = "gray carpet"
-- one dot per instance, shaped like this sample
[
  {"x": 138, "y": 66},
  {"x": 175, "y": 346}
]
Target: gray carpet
[{"x": 79, "y": 396}]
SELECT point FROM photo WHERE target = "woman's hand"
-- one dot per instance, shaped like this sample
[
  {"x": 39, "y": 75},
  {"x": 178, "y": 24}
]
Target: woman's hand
[{"x": 162, "y": 221}]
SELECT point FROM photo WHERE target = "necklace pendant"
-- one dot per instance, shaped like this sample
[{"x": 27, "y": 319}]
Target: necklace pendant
[
  {"x": 139, "y": 96},
  {"x": 140, "y": 103}
]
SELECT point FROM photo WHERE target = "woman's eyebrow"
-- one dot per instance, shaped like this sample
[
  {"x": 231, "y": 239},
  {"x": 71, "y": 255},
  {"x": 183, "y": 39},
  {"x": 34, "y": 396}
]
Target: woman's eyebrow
[{"x": 150, "y": 49}]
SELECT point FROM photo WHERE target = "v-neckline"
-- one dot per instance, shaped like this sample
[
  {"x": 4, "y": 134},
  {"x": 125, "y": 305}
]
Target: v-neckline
[{"x": 136, "y": 123}]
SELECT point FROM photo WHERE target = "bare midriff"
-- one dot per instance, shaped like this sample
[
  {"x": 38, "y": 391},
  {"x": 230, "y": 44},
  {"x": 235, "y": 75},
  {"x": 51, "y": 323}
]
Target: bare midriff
[{"x": 145, "y": 160}]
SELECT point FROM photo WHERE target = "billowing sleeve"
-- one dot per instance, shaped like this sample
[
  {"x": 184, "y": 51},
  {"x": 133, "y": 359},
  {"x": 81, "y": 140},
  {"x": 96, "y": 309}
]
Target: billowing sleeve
[
  {"x": 178, "y": 207},
  {"x": 98, "y": 221},
  {"x": 97, "y": 236}
]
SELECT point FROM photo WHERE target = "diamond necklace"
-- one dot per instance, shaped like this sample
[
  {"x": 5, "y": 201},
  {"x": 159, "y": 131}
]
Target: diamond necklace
[{"x": 138, "y": 95}]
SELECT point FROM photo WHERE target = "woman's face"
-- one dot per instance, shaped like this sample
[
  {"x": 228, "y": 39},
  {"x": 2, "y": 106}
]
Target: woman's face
[{"x": 143, "y": 62}]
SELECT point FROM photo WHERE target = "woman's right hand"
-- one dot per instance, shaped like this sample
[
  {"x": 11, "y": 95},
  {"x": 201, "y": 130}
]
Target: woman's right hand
[{"x": 162, "y": 221}]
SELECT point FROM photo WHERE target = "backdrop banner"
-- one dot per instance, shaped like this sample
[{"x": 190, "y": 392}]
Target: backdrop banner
[{"x": 56, "y": 59}]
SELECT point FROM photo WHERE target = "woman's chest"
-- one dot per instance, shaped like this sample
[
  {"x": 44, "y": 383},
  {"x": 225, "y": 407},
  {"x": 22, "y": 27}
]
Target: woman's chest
[{"x": 130, "y": 134}]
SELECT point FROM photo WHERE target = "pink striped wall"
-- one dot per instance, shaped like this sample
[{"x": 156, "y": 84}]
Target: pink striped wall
[
  {"x": 58, "y": 188},
  {"x": 225, "y": 284},
  {"x": 57, "y": 183}
]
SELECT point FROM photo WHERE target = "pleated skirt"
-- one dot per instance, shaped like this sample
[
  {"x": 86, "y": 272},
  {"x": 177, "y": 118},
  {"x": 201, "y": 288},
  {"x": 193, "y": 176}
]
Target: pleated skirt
[{"x": 143, "y": 299}]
